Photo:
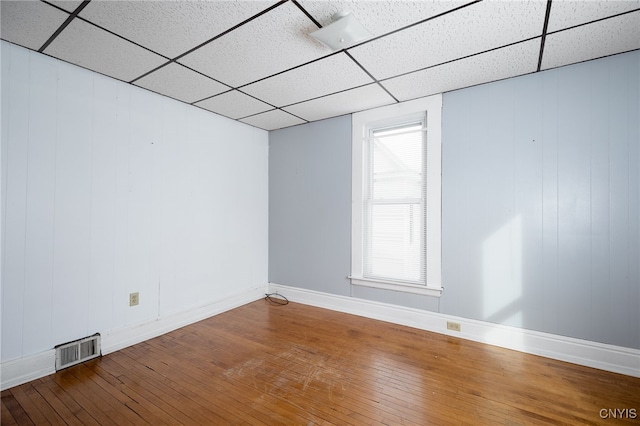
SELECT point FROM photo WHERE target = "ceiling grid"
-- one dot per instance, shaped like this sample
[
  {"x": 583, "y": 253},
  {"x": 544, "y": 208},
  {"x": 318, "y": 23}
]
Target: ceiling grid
[{"x": 255, "y": 62}]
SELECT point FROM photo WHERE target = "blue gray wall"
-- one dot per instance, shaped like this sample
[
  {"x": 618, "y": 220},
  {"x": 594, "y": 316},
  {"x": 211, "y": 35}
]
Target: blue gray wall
[
  {"x": 540, "y": 200},
  {"x": 310, "y": 206}
]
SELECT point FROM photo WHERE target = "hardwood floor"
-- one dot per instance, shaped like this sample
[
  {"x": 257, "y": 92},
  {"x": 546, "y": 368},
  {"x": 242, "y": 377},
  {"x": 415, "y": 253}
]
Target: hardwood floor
[{"x": 295, "y": 364}]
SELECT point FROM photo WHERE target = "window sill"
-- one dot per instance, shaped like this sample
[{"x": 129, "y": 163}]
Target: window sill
[{"x": 396, "y": 286}]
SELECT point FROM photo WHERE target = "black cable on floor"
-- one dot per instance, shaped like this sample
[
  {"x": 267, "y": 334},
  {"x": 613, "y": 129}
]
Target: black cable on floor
[{"x": 276, "y": 299}]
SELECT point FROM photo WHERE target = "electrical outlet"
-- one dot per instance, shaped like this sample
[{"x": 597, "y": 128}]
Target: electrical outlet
[
  {"x": 455, "y": 326},
  {"x": 134, "y": 299}
]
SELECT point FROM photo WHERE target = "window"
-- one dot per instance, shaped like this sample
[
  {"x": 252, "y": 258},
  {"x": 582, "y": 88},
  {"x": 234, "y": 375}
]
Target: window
[
  {"x": 396, "y": 197},
  {"x": 394, "y": 203}
]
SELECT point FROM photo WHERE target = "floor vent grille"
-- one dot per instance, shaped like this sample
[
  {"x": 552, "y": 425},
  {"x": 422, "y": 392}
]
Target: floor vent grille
[{"x": 78, "y": 351}]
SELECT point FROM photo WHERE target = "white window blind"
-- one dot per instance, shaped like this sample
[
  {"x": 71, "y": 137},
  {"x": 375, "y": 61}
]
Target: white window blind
[{"x": 395, "y": 203}]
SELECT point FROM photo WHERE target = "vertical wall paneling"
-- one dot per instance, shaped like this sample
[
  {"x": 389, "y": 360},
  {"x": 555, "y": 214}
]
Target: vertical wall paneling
[
  {"x": 5, "y": 59},
  {"x": 231, "y": 234},
  {"x": 196, "y": 189},
  {"x": 498, "y": 240},
  {"x": 120, "y": 145},
  {"x": 310, "y": 206},
  {"x": 203, "y": 257},
  {"x": 41, "y": 178},
  {"x": 633, "y": 125},
  {"x": 239, "y": 223},
  {"x": 110, "y": 189},
  {"x": 72, "y": 217},
  {"x": 175, "y": 140},
  {"x": 103, "y": 204},
  {"x": 550, "y": 245},
  {"x": 621, "y": 199},
  {"x": 574, "y": 210},
  {"x": 600, "y": 146},
  {"x": 14, "y": 200},
  {"x": 456, "y": 242},
  {"x": 4, "y": 113},
  {"x": 141, "y": 273},
  {"x": 528, "y": 199}
]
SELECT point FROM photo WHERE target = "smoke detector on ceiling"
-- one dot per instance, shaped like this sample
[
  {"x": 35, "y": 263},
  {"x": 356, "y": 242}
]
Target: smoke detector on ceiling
[{"x": 344, "y": 31}]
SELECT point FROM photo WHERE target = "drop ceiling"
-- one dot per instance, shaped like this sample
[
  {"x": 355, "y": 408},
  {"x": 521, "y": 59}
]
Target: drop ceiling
[{"x": 254, "y": 61}]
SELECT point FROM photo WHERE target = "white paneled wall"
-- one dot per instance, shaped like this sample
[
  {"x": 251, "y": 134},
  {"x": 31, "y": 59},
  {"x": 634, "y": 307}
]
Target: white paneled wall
[
  {"x": 109, "y": 189},
  {"x": 40, "y": 198}
]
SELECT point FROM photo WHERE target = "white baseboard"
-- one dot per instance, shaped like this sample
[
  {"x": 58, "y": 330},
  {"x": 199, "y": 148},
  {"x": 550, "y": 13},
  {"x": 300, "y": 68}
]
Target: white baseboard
[
  {"x": 121, "y": 338},
  {"x": 23, "y": 370},
  {"x": 612, "y": 358}
]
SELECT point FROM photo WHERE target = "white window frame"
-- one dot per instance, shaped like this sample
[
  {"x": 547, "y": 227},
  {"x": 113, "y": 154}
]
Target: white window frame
[{"x": 362, "y": 122}]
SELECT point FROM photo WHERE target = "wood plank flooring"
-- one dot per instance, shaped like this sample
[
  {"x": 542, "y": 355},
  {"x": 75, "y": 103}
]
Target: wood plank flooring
[{"x": 299, "y": 365}]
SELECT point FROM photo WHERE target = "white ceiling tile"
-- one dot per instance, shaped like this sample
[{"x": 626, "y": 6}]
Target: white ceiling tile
[
  {"x": 602, "y": 38},
  {"x": 181, "y": 83},
  {"x": 171, "y": 28},
  {"x": 271, "y": 43},
  {"x": 305, "y": 75},
  {"x": 272, "y": 120},
  {"x": 353, "y": 100},
  {"x": 29, "y": 23},
  {"x": 380, "y": 17},
  {"x": 328, "y": 75},
  {"x": 85, "y": 45},
  {"x": 68, "y": 5},
  {"x": 473, "y": 29},
  {"x": 566, "y": 14},
  {"x": 517, "y": 59},
  {"x": 234, "y": 105}
]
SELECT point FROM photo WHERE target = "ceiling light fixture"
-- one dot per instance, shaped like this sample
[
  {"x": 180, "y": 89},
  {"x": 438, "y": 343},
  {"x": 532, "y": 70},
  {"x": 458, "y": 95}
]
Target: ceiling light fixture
[{"x": 343, "y": 32}]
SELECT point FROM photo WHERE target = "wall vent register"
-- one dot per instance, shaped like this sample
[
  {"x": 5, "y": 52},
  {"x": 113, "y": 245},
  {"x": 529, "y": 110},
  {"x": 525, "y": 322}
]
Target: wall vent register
[{"x": 78, "y": 351}]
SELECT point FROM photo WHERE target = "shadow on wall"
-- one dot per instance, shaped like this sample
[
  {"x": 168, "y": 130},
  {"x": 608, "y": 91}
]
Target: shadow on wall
[{"x": 502, "y": 275}]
